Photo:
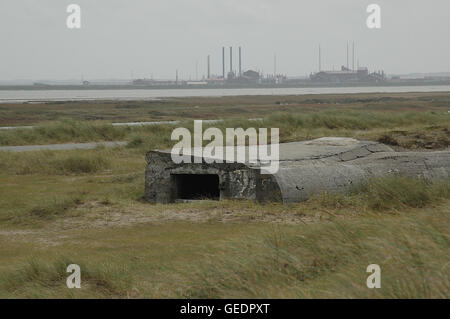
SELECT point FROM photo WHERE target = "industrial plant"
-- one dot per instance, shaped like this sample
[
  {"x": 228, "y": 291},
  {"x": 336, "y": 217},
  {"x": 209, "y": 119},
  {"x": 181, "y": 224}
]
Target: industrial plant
[
  {"x": 233, "y": 74},
  {"x": 229, "y": 76},
  {"x": 238, "y": 76},
  {"x": 347, "y": 74}
]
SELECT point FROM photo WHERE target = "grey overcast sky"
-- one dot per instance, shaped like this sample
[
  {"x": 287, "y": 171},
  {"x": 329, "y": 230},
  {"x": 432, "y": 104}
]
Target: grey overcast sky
[{"x": 156, "y": 37}]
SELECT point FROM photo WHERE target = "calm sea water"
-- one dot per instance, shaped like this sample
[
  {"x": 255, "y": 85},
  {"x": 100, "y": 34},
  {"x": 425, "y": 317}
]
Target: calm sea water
[{"x": 141, "y": 94}]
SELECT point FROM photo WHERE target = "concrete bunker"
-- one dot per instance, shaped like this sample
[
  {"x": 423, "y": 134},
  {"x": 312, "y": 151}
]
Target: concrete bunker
[{"x": 308, "y": 167}]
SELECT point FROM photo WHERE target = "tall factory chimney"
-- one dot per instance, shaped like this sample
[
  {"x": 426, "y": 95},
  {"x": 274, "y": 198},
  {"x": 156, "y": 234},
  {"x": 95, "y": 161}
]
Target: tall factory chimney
[
  {"x": 347, "y": 55},
  {"x": 240, "y": 61},
  {"x": 353, "y": 57},
  {"x": 223, "y": 62},
  {"x": 209, "y": 67},
  {"x": 274, "y": 64},
  {"x": 320, "y": 58},
  {"x": 231, "y": 59}
]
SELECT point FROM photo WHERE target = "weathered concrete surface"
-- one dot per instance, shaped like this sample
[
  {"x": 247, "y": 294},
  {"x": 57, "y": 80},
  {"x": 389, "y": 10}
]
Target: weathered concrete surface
[{"x": 326, "y": 164}]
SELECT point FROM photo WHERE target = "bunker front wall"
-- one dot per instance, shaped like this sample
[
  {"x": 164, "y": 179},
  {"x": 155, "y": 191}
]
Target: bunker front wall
[{"x": 236, "y": 181}]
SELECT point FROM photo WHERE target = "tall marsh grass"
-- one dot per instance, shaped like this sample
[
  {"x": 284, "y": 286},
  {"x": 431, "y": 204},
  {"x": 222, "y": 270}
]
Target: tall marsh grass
[
  {"x": 329, "y": 260},
  {"x": 54, "y": 162}
]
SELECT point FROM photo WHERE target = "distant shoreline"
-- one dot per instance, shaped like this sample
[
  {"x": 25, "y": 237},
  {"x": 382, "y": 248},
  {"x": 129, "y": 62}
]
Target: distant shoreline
[
  {"x": 45, "y": 87},
  {"x": 131, "y": 94}
]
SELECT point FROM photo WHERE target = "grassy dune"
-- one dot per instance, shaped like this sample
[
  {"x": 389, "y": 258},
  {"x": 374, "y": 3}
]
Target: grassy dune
[{"x": 85, "y": 207}]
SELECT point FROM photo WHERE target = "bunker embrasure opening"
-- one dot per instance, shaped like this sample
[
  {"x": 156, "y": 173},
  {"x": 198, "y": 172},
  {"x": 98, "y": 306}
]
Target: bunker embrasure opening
[{"x": 196, "y": 186}]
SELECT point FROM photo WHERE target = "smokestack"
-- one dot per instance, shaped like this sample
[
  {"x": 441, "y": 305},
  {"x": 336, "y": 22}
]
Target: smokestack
[
  {"x": 353, "y": 57},
  {"x": 347, "y": 55},
  {"x": 240, "y": 61},
  {"x": 209, "y": 67},
  {"x": 320, "y": 59},
  {"x": 231, "y": 59},
  {"x": 274, "y": 64},
  {"x": 223, "y": 62}
]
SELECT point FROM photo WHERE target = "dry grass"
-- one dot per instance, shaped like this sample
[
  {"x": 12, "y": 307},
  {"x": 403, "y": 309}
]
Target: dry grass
[{"x": 230, "y": 249}]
